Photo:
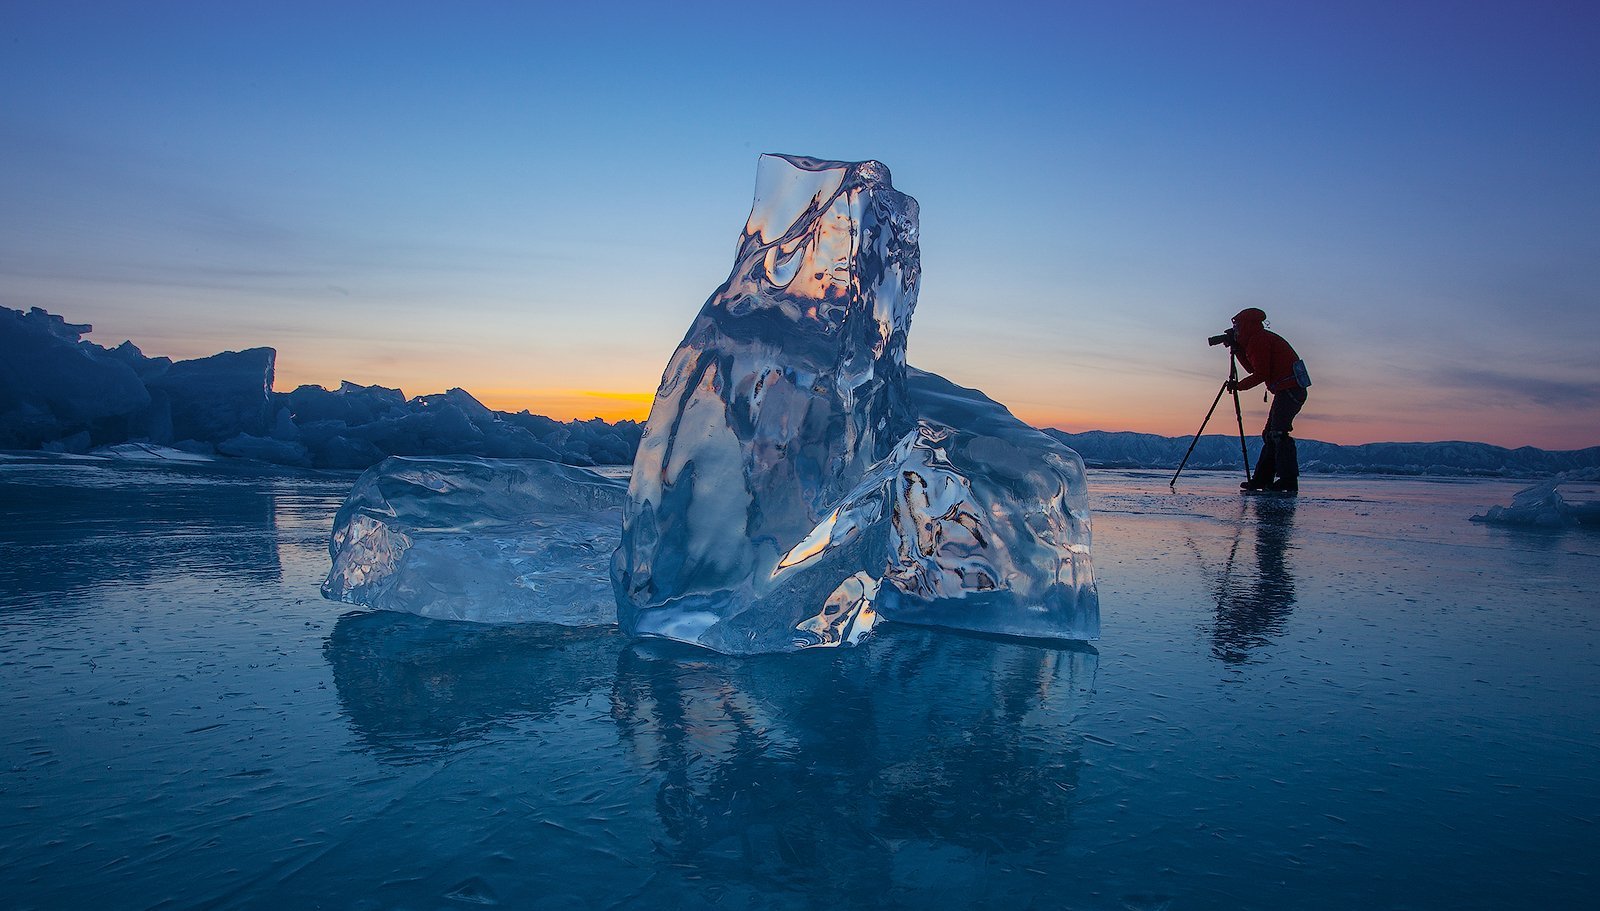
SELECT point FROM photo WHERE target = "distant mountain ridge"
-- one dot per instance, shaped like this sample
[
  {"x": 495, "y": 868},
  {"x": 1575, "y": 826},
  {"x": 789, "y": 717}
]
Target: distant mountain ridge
[{"x": 1126, "y": 449}]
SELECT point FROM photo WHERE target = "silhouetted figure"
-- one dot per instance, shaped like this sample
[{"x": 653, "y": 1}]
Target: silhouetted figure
[{"x": 1272, "y": 360}]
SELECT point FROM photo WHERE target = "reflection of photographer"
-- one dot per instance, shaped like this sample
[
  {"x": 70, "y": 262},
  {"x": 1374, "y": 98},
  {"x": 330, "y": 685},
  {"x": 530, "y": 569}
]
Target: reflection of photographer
[
  {"x": 1270, "y": 360},
  {"x": 1254, "y": 607}
]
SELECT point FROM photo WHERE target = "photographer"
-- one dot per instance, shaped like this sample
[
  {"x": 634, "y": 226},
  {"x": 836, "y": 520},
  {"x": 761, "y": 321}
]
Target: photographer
[{"x": 1271, "y": 360}]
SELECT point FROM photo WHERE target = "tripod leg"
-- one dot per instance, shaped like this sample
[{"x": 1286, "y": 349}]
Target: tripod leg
[
  {"x": 1238, "y": 412},
  {"x": 1196, "y": 440},
  {"x": 1244, "y": 453}
]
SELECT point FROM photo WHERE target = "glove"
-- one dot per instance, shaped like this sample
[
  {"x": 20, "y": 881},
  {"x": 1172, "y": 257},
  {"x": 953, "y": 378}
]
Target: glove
[{"x": 1232, "y": 385}]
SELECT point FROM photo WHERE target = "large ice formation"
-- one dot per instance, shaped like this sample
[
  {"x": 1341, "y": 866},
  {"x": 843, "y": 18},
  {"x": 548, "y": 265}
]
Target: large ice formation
[
  {"x": 796, "y": 482},
  {"x": 495, "y": 541},
  {"x": 794, "y": 485}
]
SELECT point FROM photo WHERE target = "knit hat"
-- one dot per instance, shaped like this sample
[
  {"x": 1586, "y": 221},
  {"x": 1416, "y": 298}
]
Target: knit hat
[{"x": 1250, "y": 318}]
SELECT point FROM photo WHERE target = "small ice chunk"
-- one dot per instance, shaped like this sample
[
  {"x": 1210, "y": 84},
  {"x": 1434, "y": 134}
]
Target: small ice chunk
[
  {"x": 472, "y": 539},
  {"x": 1569, "y": 498}
]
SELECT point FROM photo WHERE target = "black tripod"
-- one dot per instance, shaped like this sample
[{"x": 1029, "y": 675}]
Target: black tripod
[{"x": 1227, "y": 385}]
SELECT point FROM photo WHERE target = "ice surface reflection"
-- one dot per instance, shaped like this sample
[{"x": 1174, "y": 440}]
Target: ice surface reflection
[
  {"x": 939, "y": 744},
  {"x": 1255, "y": 597},
  {"x": 412, "y": 687},
  {"x": 1414, "y": 731},
  {"x": 761, "y": 774},
  {"x": 72, "y": 525}
]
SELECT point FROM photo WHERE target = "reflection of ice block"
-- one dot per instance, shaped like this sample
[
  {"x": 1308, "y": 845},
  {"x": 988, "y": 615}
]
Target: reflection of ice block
[
  {"x": 470, "y": 539},
  {"x": 787, "y": 492},
  {"x": 781, "y": 746}
]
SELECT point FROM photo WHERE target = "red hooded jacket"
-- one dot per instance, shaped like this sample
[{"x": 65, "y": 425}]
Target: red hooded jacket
[{"x": 1264, "y": 353}]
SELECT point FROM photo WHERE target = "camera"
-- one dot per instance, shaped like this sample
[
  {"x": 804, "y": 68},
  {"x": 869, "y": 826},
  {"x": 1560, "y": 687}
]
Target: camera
[{"x": 1229, "y": 338}]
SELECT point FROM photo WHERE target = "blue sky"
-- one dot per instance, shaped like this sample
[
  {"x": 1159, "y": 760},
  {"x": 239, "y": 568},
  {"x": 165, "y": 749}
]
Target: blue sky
[{"x": 531, "y": 201}]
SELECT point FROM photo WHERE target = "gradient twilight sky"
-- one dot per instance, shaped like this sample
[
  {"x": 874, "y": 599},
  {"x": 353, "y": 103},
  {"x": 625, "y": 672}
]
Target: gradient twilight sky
[{"x": 532, "y": 201}]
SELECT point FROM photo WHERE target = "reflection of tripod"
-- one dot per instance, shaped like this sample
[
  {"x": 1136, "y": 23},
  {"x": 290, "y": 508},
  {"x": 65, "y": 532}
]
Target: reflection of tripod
[{"x": 1228, "y": 384}]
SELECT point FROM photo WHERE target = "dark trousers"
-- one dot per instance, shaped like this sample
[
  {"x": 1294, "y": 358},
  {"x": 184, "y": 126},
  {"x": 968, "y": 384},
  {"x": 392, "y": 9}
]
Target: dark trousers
[{"x": 1278, "y": 457}]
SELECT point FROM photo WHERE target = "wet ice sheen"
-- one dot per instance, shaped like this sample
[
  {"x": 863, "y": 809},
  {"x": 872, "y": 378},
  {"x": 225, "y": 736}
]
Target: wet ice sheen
[{"x": 1356, "y": 699}]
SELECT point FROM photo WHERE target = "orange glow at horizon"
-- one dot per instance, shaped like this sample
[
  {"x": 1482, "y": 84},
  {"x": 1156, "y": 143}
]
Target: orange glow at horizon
[{"x": 570, "y": 404}]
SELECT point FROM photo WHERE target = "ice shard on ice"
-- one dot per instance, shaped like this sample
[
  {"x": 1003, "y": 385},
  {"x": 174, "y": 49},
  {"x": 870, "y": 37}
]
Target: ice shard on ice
[
  {"x": 793, "y": 486},
  {"x": 485, "y": 540}
]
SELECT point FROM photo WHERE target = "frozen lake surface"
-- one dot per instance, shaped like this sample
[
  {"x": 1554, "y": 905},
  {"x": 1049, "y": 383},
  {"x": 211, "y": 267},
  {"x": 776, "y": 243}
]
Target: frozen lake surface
[{"x": 1356, "y": 699}]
